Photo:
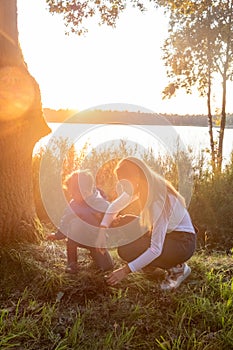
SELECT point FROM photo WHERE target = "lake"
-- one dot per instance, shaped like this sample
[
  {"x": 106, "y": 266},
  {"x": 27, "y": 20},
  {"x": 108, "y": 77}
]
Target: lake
[{"x": 160, "y": 138}]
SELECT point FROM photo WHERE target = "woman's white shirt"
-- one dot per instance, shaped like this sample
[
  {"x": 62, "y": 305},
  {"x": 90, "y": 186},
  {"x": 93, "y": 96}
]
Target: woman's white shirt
[{"x": 177, "y": 219}]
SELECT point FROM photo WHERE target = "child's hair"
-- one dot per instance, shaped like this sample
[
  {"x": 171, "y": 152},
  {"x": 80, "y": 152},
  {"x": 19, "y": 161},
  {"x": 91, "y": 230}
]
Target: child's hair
[{"x": 80, "y": 181}]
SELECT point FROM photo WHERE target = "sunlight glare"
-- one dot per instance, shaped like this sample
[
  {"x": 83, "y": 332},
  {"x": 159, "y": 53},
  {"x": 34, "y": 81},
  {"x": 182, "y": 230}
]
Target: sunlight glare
[{"x": 16, "y": 93}]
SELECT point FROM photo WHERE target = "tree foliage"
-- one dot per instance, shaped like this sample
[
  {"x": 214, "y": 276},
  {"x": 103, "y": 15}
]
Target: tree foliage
[
  {"x": 198, "y": 50},
  {"x": 76, "y": 13}
]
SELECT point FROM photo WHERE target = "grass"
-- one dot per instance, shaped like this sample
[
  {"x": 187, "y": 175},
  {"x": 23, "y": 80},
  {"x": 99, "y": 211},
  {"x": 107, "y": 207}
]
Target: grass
[{"x": 44, "y": 308}]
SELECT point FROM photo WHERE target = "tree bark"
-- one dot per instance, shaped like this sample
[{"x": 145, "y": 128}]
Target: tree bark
[
  {"x": 224, "y": 86},
  {"x": 222, "y": 127},
  {"x": 210, "y": 124},
  {"x": 10, "y": 53},
  {"x": 21, "y": 125}
]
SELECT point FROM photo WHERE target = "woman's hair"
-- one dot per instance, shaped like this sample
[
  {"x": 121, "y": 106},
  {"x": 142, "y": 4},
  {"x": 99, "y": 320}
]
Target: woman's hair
[
  {"x": 80, "y": 181},
  {"x": 153, "y": 187}
]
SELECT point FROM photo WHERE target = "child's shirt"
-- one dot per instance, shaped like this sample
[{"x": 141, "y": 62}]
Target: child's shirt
[{"x": 91, "y": 210}]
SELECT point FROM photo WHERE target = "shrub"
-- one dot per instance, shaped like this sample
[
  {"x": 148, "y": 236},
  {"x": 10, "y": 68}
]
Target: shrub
[
  {"x": 211, "y": 201},
  {"x": 211, "y": 208}
]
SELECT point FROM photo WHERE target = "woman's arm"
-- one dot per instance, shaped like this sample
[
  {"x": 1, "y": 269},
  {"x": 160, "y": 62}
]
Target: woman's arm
[
  {"x": 115, "y": 207},
  {"x": 158, "y": 235},
  {"x": 159, "y": 230}
]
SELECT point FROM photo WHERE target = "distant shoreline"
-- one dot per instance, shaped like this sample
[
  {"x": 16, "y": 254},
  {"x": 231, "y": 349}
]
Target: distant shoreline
[{"x": 126, "y": 117}]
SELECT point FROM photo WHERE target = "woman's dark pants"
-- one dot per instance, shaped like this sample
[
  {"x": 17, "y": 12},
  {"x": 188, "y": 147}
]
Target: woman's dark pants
[{"x": 178, "y": 247}]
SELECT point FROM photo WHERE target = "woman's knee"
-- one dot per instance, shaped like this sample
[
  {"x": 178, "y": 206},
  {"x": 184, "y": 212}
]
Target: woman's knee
[{"x": 123, "y": 253}]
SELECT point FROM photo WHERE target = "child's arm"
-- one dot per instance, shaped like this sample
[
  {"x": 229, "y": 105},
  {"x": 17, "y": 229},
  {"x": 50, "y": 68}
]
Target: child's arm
[
  {"x": 115, "y": 207},
  {"x": 55, "y": 236},
  {"x": 62, "y": 230}
]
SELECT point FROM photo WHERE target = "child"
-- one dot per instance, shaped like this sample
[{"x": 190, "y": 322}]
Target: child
[{"x": 88, "y": 205}]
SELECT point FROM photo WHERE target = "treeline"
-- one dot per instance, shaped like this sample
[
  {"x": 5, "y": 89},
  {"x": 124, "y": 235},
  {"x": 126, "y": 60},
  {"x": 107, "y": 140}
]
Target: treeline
[
  {"x": 58, "y": 116},
  {"x": 100, "y": 116}
]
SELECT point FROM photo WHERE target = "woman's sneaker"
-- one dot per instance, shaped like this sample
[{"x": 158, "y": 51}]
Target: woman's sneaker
[{"x": 176, "y": 275}]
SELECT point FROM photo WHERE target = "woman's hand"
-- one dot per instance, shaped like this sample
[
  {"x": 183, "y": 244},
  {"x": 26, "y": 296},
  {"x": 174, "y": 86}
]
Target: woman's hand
[{"x": 118, "y": 275}]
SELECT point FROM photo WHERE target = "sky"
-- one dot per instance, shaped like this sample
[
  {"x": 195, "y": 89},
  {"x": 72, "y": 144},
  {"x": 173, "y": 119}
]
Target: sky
[{"x": 107, "y": 66}]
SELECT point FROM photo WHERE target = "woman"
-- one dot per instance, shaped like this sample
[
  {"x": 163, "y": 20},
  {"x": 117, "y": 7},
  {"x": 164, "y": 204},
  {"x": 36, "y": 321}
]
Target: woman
[{"x": 171, "y": 239}]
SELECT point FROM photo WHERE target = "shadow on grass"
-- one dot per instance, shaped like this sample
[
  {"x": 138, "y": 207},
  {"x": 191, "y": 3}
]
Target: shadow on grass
[{"x": 42, "y": 307}]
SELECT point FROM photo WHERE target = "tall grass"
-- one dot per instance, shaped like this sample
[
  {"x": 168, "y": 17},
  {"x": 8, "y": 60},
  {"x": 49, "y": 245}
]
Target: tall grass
[
  {"x": 211, "y": 208},
  {"x": 211, "y": 196},
  {"x": 44, "y": 308}
]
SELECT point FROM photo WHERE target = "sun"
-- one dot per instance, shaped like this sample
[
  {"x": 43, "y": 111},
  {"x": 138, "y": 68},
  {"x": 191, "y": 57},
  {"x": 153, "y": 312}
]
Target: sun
[
  {"x": 108, "y": 65},
  {"x": 121, "y": 65}
]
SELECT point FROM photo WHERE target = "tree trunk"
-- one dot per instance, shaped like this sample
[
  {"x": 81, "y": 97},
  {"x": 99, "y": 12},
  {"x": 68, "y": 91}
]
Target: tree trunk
[
  {"x": 222, "y": 127},
  {"x": 210, "y": 124},
  {"x": 10, "y": 53},
  {"x": 21, "y": 125},
  {"x": 224, "y": 85}
]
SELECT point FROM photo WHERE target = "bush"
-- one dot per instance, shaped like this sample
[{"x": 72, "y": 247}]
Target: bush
[
  {"x": 211, "y": 208},
  {"x": 212, "y": 198}
]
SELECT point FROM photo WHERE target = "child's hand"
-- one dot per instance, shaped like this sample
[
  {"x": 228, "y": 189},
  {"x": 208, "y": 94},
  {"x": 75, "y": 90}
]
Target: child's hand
[
  {"x": 51, "y": 237},
  {"x": 55, "y": 236}
]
